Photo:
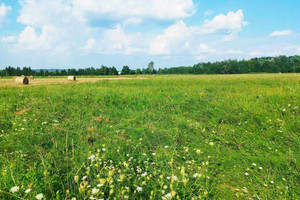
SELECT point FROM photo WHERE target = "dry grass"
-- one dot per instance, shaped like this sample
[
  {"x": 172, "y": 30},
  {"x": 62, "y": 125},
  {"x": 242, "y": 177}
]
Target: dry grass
[{"x": 47, "y": 81}]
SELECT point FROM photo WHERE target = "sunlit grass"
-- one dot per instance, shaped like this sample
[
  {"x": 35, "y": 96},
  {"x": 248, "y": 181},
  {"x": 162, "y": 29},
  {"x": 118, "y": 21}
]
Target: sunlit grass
[{"x": 162, "y": 137}]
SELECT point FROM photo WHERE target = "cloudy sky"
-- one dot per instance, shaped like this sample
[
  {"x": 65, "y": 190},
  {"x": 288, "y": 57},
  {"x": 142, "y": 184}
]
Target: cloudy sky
[{"x": 84, "y": 33}]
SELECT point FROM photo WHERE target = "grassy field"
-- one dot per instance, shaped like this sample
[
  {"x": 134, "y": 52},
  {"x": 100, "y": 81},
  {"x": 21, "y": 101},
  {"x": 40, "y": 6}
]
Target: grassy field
[{"x": 160, "y": 137}]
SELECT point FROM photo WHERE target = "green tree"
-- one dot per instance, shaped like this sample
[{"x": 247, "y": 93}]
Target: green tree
[
  {"x": 125, "y": 70},
  {"x": 150, "y": 68}
]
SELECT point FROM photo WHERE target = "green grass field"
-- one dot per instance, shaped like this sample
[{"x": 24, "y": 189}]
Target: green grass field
[{"x": 162, "y": 137}]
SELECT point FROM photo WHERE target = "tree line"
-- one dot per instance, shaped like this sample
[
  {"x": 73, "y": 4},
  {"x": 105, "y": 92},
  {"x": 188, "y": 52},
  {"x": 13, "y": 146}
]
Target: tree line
[{"x": 283, "y": 64}]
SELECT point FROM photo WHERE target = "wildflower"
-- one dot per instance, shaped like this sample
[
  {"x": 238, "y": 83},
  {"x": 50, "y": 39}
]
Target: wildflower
[
  {"x": 166, "y": 147},
  {"x": 198, "y": 151},
  {"x": 28, "y": 190},
  {"x": 144, "y": 154},
  {"x": 83, "y": 178},
  {"x": 102, "y": 181},
  {"x": 73, "y": 198},
  {"x": 14, "y": 189},
  {"x": 184, "y": 180},
  {"x": 103, "y": 149},
  {"x": 174, "y": 178},
  {"x": 165, "y": 187},
  {"x": 122, "y": 177},
  {"x": 83, "y": 184},
  {"x": 283, "y": 110},
  {"x": 144, "y": 174},
  {"x": 92, "y": 157},
  {"x": 153, "y": 154},
  {"x": 22, "y": 129},
  {"x": 195, "y": 175},
  {"x": 76, "y": 179},
  {"x": 99, "y": 185},
  {"x": 39, "y": 196},
  {"x": 110, "y": 173},
  {"x": 272, "y": 182},
  {"x": 182, "y": 170},
  {"x": 126, "y": 197},
  {"x": 211, "y": 143},
  {"x": 246, "y": 174},
  {"x": 253, "y": 164},
  {"x": 260, "y": 168},
  {"x": 173, "y": 193},
  {"x": 168, "y": 196},
  {"x": 95, "y": 191},
  {"x": 139, "y": 189}
]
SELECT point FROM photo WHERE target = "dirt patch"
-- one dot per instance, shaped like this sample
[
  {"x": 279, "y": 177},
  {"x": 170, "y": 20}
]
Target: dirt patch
[{"x": 20, "y": 112}]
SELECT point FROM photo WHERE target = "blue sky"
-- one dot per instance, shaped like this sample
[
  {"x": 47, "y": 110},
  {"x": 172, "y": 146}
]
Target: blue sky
[{"x": 76, "y": 33}]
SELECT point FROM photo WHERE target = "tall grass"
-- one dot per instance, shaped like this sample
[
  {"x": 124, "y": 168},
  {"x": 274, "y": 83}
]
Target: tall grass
[{"x": 180, "y": 137}]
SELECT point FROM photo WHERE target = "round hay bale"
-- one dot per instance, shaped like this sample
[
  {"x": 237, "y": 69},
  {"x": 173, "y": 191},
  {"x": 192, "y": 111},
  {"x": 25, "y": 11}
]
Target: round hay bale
[
  {"x": 23, "y": 80},
  {"x": 31, "y": 77},
  {"x": 14, "y": 77},
  {"x": 72, "y": 78}
]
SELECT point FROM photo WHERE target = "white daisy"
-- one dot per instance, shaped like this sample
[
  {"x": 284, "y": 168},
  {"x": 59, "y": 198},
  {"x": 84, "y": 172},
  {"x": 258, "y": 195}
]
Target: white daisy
[
  {"x": 14, "y": 189},
  {"x": 139, "y": 189},
  {"x": 39, "y": 196}
]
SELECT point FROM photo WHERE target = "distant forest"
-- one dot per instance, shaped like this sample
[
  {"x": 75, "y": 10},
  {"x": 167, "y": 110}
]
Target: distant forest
[{"x": 283, "y": 64}]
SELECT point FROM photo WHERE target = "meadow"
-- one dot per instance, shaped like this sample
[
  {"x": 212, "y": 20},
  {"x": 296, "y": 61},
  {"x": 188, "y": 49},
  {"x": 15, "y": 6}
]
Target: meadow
[{"x": 158, "y": 137}]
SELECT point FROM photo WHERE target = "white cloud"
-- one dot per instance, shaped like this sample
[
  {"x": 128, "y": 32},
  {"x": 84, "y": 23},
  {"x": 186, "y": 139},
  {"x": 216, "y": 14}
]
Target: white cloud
[
  {"x": 120, "y": 9},
  {"x": 9, "y": 39},
  {"x": 281, "y": 33},
  {"x": 113, "y": 41},
  {"x": 255, "y": 53},
  {"x": 201, "y": 57},
  {"x": 36, "y": 13},
  {"x": 4, "y": 10},
  {"x": 208, "y": 13},
  {"x": 232, "y": 23},
  {"x": 204, "y": 48},
  {"x": 133, "y": 20},
  {"x": 176, "y": 36},
  {"x": 90, "y": 45},
  {"x": 48, "y": 40},
  {"x": 233, "y": 52},
  {"x": 73, "y": 18}
]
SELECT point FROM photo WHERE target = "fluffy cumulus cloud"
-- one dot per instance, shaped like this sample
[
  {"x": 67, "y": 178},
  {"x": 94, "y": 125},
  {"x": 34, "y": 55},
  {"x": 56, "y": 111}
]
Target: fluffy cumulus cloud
[
  {"x": 120, "y": 9},
  {"x": 204, "y": 48},
  {"x": 174, "y": 38},
  {"x": 63, "y": 26},
  {"x": 4, "y": 10},
  {"x": 113, "y": 41},
  {"x": 179, "y": 36},
  {"x": 9, "y": 39},
  {"x": 232, "y": 23},
  {"x": 281, "y": 33},
  {"x": 48, "y": 40},
  {"x": 73, "y": 20}
]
